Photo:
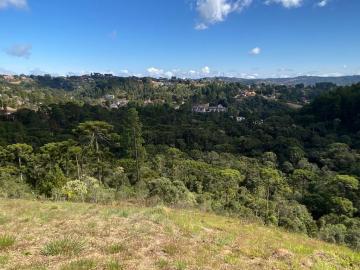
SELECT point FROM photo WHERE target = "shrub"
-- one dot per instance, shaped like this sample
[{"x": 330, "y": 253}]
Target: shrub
[
  {"x": 170, "y": 192},
  {"x": 96, "y": 192},
  {"x": 333, "y": 233},
  {"x": 75, "y": 190},
  {"x": 67, "y": 246},
  {"x": 12, "y": 187},
  {"x": 352, "y": 238}
]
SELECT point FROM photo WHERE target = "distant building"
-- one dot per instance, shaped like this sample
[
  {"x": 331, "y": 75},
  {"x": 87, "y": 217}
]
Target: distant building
[
  {"x": 201, "y": 108},
  {"x": 114, "y": 106},
  {"x": 148, "y": 102},
  {"x": 123, "y": 102},
  {"x": 240, "y": 119},
  {"x": 109, "y": 97},
  {"x": 219, "y": 108},
  {"x": 258, "y": 122},
  {"x": 206, "y": 108},
  {"x": 7, "y": 110},
  {"x": 245, "y": 94}
]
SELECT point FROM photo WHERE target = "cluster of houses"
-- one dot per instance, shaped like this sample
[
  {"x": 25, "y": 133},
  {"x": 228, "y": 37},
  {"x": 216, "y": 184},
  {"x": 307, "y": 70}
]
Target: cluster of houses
[
  {"x": 245, "y": 94},
  {"x": 206, "y": 108},
  {"x": 116, "y": 103}
]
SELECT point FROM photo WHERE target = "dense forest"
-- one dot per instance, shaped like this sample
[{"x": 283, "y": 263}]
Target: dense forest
[{"x": 294, "y": 168}]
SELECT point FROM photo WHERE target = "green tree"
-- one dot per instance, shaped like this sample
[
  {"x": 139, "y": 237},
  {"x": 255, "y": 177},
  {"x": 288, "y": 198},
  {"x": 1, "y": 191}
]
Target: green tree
[
  {"x": 19, "y": 154},
  {"x": 94, "y": 136}
]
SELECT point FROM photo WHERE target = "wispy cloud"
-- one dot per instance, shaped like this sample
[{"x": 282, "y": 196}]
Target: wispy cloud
[
  {"x": 19, "y": 50},
  {"x": 323, "y": 3},
  {"x": 201, "y": 26},
  {"x": 286, "y": 3},
  {"x": 255, "y": 51},
  {"x": 20, "y": 4},
  {"x": 215, "y": 11}
]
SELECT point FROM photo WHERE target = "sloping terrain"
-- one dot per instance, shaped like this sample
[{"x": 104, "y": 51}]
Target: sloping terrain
[{"x": 46, "y": 235}]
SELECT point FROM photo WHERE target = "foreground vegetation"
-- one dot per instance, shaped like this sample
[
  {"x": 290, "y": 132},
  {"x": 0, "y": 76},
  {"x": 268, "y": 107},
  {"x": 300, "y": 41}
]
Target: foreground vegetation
[
  {"x": 260, "y": 159},
  {"x": 62, "y": 235}
]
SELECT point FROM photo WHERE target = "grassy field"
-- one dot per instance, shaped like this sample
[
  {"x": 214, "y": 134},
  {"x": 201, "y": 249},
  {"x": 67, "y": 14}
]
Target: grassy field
[{"x": 69, "y": 236}]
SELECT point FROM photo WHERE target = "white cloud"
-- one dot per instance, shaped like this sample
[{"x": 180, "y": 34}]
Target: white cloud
[
  {"x": 124, "y": 71},
  {"x": 192, "y": 72},
  {"x": 155, "y": 71},
  {"x": 255, "y": 51},
  {"x": 286, "y": 3},
  {"x": 168, "y": 74},
  {"x": 20, "y": 50},
  {"x": 323, "y": 3},
  {"x": 21, "y": 4},
  {"x": 205, "y": 70},
  {"x": 201, "y": 26},
  {"x": 214, "y": 11}
]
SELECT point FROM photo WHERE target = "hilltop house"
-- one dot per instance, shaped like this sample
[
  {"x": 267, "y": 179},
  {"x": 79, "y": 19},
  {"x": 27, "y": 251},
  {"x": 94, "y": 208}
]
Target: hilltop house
[
  {"x": 109, "y": 97},
  {"x": 7, "y": 110},
  {"x": 240, "y": 119},
  {"x": 206, "y": 108}
]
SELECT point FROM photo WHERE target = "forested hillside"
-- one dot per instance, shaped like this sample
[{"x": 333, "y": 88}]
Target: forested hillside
[{"x": 260, "y": 159}]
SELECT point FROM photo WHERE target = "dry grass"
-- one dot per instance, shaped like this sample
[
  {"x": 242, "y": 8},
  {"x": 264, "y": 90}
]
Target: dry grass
[{"x": 68, "y": 236}]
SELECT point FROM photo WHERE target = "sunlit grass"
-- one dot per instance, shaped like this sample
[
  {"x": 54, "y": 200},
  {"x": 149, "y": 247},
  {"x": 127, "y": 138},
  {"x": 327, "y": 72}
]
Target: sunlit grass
[{"x": 66, "y": 236}]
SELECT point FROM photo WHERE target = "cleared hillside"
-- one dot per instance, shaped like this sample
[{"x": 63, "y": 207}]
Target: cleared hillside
[{"x": 46, "y": 235}]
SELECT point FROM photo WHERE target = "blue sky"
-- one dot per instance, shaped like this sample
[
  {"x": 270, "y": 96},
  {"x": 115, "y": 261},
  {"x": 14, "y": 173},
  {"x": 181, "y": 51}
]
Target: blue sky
[{"x": 186, "y": 38}]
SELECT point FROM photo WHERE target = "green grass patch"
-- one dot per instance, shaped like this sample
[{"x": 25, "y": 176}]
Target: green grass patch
[
  {"x": 170, "y": 249},
  {"x": 162, "y": 264},
  {"x": 113, "y": 265},
  {"x": 115, "y": 248},
  {"x": 6, "y": 241},
  {"x": 84, "y": 264},
  {"x": 4, "y": 259},
  {"x": 68, "y": 246},
  {"x": 180, "y": 265}
]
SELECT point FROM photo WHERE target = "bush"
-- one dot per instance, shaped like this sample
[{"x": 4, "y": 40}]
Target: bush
[
  {"x": 295, "y": 217},
  {"x": 96, "y": 192},
  {"x": 170, "y": 192},
  {"x": 12, "y": 187},
  {"x": 352, "y": 238},
  {"x": 75, "y": 190},
  {"x": 333, "y": 233}
]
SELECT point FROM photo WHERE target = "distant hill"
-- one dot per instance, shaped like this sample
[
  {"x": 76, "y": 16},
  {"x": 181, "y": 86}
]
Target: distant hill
[{"x": 306, "y": 80}]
